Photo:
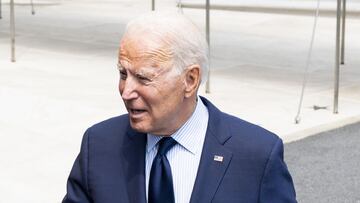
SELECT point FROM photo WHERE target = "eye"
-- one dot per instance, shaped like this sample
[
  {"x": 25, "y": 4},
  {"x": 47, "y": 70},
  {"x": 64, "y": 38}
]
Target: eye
[
  {"x": 123, "y": 74},
  {"x": 122, "y": 71},
  {"x": 143, "y": 79}
]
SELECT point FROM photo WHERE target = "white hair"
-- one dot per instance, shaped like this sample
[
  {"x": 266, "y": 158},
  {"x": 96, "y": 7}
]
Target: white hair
[{"x": 185, "y": 41}]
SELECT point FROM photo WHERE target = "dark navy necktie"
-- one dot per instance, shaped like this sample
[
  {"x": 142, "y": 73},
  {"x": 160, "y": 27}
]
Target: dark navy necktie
[{"x": 160, "y": 184}]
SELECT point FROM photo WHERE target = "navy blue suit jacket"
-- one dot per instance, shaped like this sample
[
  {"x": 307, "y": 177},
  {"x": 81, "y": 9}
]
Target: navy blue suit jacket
[{"x": 111, "y": 165}]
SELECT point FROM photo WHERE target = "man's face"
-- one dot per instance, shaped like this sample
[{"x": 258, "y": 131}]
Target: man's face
[{"x": 151, "y": 90}]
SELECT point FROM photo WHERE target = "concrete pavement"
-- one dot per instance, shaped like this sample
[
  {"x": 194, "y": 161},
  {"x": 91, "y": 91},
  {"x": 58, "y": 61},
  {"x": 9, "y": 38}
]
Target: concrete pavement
[
  {"x": 65, "y": 80},
  {"x": 326, "y": 167}
]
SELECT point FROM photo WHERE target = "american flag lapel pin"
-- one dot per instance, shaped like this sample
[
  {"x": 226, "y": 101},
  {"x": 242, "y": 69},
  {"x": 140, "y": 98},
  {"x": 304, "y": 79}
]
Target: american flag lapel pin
[{"x": 218, "y": 158}]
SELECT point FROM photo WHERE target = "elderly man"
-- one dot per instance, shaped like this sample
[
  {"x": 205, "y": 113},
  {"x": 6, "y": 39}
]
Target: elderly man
[{"x": 173, "y": 145}]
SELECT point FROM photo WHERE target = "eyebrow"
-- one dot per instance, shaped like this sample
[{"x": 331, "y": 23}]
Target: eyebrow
[
  {"x": 145, "y": 73},
  {"x": 141, "y": 72}
]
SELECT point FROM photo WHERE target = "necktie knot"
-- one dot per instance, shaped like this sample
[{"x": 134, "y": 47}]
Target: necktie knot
[{"x": 165, "y": 144}]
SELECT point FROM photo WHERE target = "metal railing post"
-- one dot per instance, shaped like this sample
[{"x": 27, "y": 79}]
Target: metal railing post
[
  {"x": 0, "y": 9},
  {"x": 32, "y": 7},
  {"x": 153, "y": 5},
  {"x": 12, "y": 30},
  {"x": 337, "y": 58},
  {"x": 179, "y": 5},
  {"x": 207, "y": 88},
  {"x": 342, "y": 61}
]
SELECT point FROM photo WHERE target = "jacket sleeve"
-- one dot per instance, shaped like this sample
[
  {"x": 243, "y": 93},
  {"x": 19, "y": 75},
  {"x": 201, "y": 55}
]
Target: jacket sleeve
[
  {"x": 277, "y": 185},
  {"x": 77, "y": 183}
]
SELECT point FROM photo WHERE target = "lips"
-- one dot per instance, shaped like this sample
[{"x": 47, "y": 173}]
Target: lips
[{"x": 137, "y": 111}]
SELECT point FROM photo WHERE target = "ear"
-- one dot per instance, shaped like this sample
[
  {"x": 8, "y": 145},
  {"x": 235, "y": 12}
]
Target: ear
[{"x": 192, "y": 80}]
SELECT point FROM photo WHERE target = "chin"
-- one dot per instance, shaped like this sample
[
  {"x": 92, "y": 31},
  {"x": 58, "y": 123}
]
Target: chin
[{"x": 139, "y": 127}]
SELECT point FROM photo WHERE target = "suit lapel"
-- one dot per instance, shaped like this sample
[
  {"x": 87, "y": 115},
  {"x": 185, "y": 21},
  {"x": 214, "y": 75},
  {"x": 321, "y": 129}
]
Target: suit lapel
[
  {"x": 210, "y": 171},
  {"x": 215, "y": 158},
  {"x": 134, "y": 165}
]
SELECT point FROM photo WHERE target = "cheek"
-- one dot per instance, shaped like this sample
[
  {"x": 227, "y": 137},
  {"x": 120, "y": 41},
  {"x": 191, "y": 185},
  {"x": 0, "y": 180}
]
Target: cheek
[{"x": 172, "y": 98}]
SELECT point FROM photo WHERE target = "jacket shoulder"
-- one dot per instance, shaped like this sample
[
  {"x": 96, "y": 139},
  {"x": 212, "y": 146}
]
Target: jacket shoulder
[
  {"x": 237, "y": 124},
  {"x": 114, "y": 122},
  {"x": 253, "y": 138},
  {"x": 109, "y": 129}
]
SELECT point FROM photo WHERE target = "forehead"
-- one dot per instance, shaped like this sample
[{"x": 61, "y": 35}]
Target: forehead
[{"x": 144, "y": 48}]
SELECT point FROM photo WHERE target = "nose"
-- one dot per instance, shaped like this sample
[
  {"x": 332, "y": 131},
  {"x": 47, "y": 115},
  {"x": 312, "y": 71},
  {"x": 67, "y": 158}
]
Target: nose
[{"x": 128, "y": 89}]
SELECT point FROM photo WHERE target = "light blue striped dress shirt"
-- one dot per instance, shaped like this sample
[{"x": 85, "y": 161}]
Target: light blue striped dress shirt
[{"x": 184, "y": 157}]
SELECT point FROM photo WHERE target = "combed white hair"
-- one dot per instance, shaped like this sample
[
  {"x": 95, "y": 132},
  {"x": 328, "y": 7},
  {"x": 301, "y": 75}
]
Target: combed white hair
[{"x": 177, "y": 33}]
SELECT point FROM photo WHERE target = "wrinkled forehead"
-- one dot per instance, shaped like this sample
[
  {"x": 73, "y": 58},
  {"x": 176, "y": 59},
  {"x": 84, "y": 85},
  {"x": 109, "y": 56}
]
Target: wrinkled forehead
[{"x": 145, "y": 47}]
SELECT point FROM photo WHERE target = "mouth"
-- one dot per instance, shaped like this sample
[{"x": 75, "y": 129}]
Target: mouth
[{"x": 136, "y": 112}]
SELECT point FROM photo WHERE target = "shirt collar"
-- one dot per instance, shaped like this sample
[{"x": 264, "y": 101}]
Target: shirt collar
[{"x": 188, "y": 135}]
